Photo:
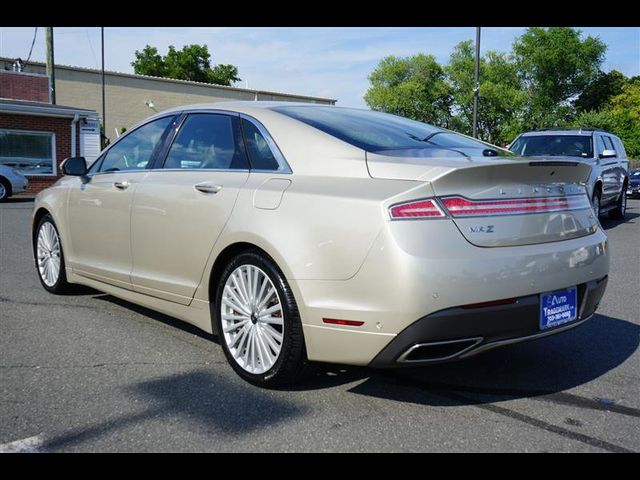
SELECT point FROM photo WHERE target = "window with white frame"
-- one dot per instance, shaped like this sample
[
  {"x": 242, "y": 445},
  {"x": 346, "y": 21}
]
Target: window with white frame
[{"x": 33, "y": 153}]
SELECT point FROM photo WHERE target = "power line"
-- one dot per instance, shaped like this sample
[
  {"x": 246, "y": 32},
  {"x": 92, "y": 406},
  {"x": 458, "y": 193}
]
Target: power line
[{"x": 33, "y": 42}]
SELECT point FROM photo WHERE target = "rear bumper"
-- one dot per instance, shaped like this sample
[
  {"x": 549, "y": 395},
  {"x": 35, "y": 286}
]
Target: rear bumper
[
  {"x": 417, "y": 270},
  {"x": 457, "y": 333}
]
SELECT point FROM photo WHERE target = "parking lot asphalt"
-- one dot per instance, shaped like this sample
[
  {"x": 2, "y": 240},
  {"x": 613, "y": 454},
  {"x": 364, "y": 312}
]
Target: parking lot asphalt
[{"x": 89, "y": 372}]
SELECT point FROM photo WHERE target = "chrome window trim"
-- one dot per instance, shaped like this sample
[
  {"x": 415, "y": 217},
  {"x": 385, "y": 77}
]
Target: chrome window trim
[
  {"x": 246, "y": 170},
  {"x": 273, "y": 146}
]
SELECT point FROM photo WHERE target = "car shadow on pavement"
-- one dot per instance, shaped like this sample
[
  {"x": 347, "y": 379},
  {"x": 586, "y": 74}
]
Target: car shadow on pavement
[
  {"x": 608, "y": 223},
  {"x": 540, "y": 368},
  {"x": 543, "y": 368},
  {"x": 210, "y": 403},
  {"x": 630, "y": 216},
  {"x": 155, "y": 315}
]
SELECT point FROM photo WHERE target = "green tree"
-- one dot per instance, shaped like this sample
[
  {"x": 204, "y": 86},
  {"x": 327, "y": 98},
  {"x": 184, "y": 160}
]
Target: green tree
[
  {"x": 622, "y": 123},
  {"x": 602, "y": 88},
  {"x": 501, "y": 98},
  {"x": 555, "y": 65},
  {"x": 628, "y": 100},
  {"x": 413, "y": 87},
  {"x": 193, "y": 63}
]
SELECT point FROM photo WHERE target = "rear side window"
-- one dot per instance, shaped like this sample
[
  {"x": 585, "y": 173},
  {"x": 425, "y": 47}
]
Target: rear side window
[
  {"x": 622, "y": 153},
  {"x": 260, "y": 154},
  {"x": 608, "y": 143},
  {"x": 207, "y": 141},
  {"x": 135, "y": 150}
]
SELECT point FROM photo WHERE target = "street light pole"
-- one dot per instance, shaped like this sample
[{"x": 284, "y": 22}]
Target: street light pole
[
  {"x": 104, "y": 113},
  {"x": 51, "y": 68},
  {"x": 476, "y": 87}
]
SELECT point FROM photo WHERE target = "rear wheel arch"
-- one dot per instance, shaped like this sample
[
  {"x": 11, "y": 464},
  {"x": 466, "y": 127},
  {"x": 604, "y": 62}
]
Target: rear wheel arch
[
  {"x": 597, "y": 188},
  {"x": 223, "y": 259}
]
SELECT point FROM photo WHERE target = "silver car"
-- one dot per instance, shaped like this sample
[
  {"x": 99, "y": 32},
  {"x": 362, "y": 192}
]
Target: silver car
[
  {"x": 603, "y": 151},
  {"x": 306, "y": 233},
  {"x": 11, "y": 181}
]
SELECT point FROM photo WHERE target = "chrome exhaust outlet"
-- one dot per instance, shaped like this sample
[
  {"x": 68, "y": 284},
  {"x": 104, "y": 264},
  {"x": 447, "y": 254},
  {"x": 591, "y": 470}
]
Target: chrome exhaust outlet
[{"x": 438, "y": 351}]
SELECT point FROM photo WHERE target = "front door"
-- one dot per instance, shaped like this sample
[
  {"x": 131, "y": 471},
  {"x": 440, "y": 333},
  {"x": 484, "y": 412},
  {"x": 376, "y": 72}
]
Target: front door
[
  {"x": 181, "y": 207},
  {"x": 100, "y": 206}
]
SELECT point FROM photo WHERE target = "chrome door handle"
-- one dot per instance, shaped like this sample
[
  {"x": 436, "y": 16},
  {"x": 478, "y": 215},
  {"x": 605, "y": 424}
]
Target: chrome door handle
[
  {"x": 121, "y": 185},
  {"x": 206, "y": 187}
]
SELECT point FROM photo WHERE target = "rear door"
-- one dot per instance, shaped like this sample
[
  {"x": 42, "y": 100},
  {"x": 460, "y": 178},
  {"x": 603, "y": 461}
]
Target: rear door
[{"x": 181, "y": 207}]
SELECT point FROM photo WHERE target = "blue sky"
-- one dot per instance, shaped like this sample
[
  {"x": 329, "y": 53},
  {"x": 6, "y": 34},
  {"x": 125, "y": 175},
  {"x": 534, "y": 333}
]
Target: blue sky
[{"x": 328, "y": 62}]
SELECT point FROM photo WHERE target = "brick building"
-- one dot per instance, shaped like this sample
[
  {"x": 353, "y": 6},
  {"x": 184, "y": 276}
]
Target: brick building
[{"x": 35, "y": 135}]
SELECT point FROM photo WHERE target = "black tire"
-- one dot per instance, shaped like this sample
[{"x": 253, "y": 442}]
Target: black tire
[
  {"x": 595, "y": 201},
  {"x": 292, "y": 364},
  {"x": 6, "y": 191},
  {"x": 621, "y": 206},
  {"x": 61, "y": 286}
]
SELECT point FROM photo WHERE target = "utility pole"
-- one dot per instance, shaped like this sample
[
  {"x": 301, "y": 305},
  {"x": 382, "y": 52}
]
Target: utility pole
[
  {"x": 50, "y": 64},
  {"x": 476, "y": 87},
  {"x": 104, "y": 113}
]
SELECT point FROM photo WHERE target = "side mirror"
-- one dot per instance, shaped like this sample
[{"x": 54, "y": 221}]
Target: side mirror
[
  {"x": 76, "y": 166},
  {"x": 608, "y": 154}
]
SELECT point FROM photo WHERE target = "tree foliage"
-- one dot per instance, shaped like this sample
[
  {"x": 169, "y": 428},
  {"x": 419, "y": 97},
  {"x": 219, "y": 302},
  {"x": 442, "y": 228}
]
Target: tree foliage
[
  {"x": 413, "y": 87},
  {"x": 555, "y": 65},
  {"x": 499, "y": 90},
  {"x": 551, "y": 78},
  {"x": 192, "y": 63},
  {"x": 600, "y": 91}
]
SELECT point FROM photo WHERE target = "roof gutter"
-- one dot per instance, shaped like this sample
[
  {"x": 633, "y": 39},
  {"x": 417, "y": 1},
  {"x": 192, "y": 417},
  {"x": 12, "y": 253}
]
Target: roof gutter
[{"x": 44, "y": 111}]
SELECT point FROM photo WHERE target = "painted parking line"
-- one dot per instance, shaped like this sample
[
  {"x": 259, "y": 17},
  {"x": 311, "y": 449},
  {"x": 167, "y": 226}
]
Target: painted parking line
[{"x": 26, "y": 445}]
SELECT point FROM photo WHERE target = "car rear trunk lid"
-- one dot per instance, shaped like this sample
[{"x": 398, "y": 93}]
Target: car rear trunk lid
[{"x": 499, "y": 202}]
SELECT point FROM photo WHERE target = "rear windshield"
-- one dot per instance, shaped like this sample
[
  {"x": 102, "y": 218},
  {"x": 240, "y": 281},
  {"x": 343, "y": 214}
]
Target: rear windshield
[
  {"x": 376, "y": 131},
  {"x": 553, "y": 146}
]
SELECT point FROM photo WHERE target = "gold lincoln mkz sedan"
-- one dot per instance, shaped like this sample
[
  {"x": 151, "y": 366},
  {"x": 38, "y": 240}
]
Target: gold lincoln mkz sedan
[{"x": 303, "y": 233}]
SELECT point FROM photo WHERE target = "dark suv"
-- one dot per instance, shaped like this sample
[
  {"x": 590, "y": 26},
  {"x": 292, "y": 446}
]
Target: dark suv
[{"x": 605, "y": 153}]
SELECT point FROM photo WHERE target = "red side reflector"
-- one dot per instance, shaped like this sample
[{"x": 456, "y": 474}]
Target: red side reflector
[
  {"x": 426, "y": 208},
  {"x": 336, "y": 321},
  {"x": 493, "y": 303},
  {"x": 463, "y": 207}
]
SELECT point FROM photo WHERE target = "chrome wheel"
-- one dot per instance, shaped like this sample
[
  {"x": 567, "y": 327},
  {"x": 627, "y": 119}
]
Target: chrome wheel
[
  {"x": 252, "y": 319},
  {"x": 48, "y": 253},
  {"x": 3, "y": 191}
]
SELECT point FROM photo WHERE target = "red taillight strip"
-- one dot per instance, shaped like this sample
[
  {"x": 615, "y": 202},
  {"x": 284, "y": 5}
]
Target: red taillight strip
[
  {"x": 463, "y": 207},
  {"x": 337, "y": 321},
  {"x": 425, "y": 208}
]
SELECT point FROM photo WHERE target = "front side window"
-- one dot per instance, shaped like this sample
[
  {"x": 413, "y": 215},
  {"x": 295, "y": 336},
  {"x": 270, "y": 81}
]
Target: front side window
[
  {"x": 376, "y": 131},
  {"x": 135, "y": 150},
  {"x": 32, "y": 153},
  {"x": 553, "y": 146},
  {"x": 207, "y": 141},
  {"x": 258, "y": 149}
]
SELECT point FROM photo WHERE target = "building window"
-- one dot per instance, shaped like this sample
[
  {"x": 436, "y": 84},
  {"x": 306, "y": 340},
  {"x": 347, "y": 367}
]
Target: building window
[{"x": 33, "y": 153}]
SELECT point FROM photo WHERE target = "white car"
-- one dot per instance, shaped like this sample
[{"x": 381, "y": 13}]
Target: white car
[{"x": 11, "y": 181}]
